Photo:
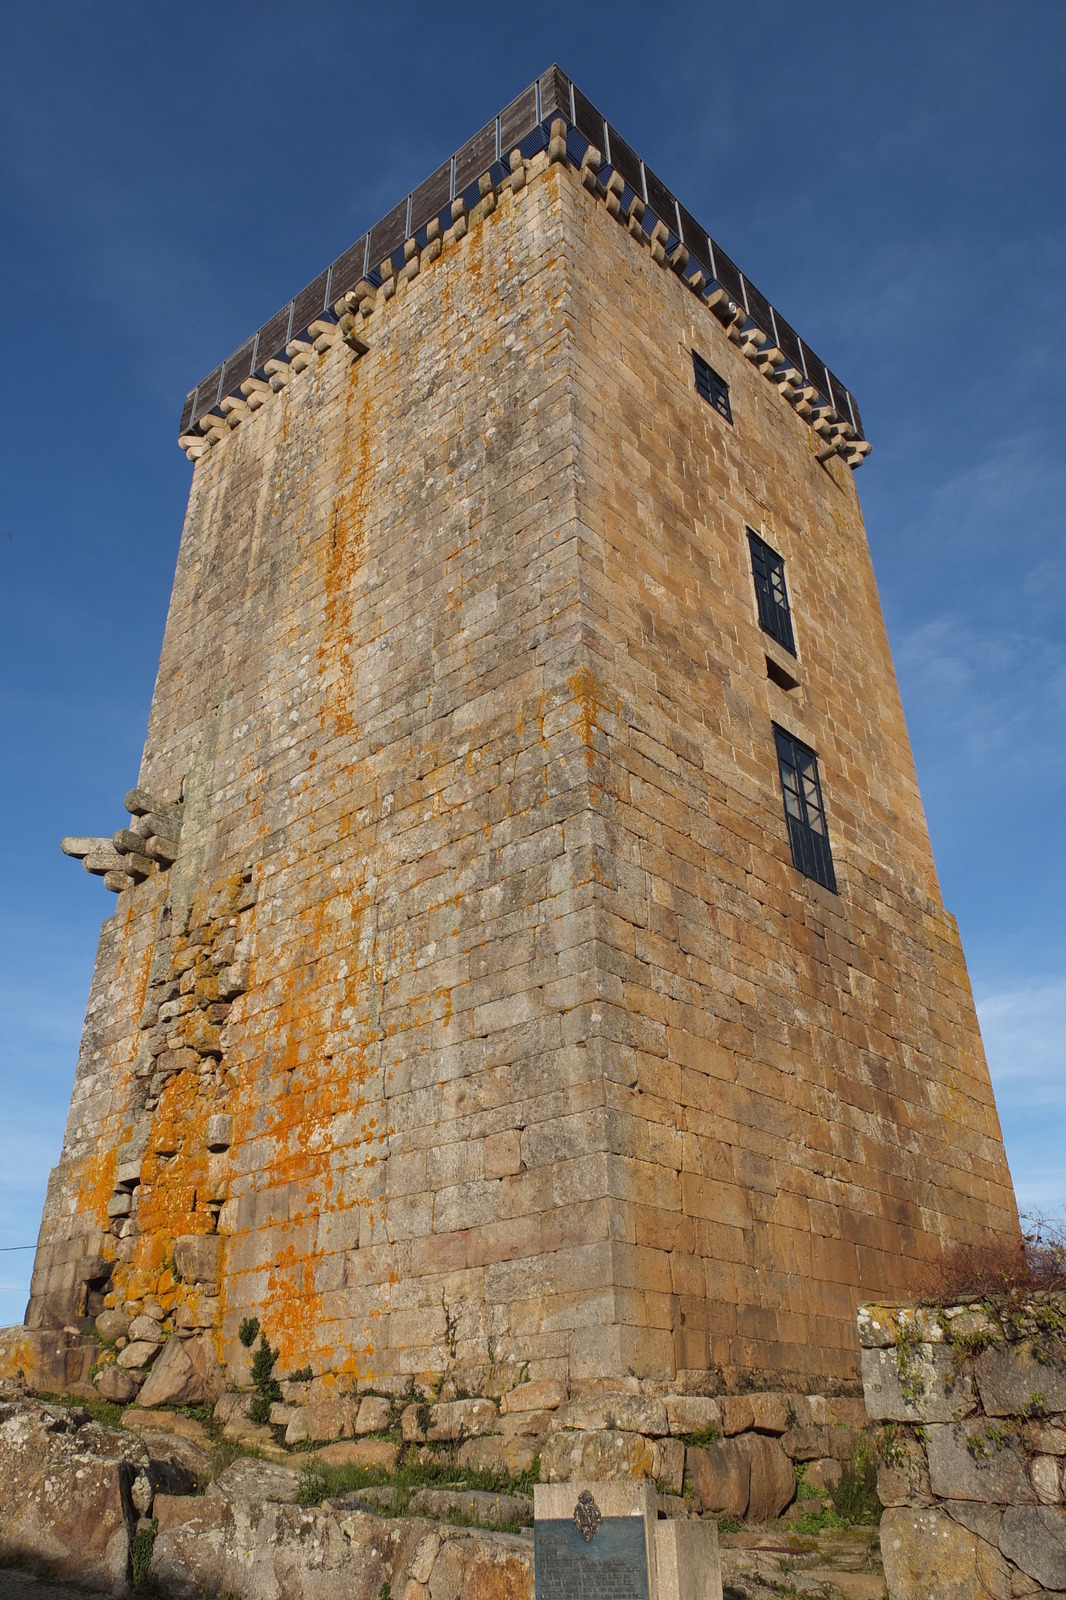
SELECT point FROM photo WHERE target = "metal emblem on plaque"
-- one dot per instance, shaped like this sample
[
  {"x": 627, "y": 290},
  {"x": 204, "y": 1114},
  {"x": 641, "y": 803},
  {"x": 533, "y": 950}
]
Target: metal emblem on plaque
[{"x": 587, "y": 1515}]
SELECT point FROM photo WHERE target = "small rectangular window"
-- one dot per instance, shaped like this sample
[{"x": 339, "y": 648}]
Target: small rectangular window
[
  {"x": 804, "y": 810},
  {"x": 768, "y": 570},
  {"x": 714, "y": 389}
]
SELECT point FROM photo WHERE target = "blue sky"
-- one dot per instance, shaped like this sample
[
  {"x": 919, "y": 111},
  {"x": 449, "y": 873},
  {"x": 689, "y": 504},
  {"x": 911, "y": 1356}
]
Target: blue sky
[{"x": 890, "y": 176}]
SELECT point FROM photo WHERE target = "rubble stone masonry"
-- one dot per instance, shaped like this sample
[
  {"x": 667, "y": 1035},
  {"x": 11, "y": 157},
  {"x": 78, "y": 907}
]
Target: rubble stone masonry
[{"x": 482, "y": 1024}]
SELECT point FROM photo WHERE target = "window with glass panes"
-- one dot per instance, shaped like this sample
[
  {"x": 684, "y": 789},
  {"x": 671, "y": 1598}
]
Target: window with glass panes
[
  {"x": 714, "y": 389},
  {"x": 768, "y": 570},
  {"x": 808, "y": 835}
]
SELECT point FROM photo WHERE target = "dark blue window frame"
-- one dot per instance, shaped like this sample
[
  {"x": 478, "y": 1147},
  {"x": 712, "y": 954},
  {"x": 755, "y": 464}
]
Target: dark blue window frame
[
  {"x": 808, "y": 832},
  {"x": 713, "y": 389},
  {"x": 771, "y": 591}
]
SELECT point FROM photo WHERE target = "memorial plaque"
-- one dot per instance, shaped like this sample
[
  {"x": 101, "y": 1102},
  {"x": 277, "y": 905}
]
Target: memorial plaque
[{"x": 590, "y": 1557}]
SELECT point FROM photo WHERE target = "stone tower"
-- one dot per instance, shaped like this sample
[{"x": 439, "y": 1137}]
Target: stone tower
[{"x": 528, "y": 953}]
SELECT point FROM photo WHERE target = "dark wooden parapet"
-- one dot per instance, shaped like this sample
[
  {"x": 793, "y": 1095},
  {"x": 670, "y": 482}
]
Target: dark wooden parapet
[{"x": 614, "y": 168}]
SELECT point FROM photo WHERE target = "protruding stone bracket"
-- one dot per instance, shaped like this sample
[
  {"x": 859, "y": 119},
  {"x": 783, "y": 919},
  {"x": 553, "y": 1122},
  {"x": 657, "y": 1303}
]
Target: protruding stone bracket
[
  {"x": 131, "y": 854},
  {"x": 669, "y": 249}
]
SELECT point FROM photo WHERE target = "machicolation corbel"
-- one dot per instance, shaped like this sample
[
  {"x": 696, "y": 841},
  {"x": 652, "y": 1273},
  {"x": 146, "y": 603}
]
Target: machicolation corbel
[{"x": 131, "y": 854}]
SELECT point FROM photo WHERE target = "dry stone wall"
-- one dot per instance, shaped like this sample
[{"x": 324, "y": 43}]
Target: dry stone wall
[
  {"x": 480, "y": 1027},
  {"x": 972, "y": 1402}
]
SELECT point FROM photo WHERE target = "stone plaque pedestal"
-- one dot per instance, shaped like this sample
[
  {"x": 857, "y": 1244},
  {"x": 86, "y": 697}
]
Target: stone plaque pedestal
[{"x": 606, "y": 1541}]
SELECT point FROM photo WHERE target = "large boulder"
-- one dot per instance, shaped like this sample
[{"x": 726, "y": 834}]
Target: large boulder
[
  {"x": 720, "y": 1475},
  {"x": 68, "y": 1491},
  {"x": 186, "y": 1373},
  {"x": 929, "y": 1556},
  {"x": 773, "y": 1478}
]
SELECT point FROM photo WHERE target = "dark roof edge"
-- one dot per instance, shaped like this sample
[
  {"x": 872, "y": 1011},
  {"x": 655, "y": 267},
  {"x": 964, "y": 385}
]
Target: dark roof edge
[{"x": 524, "y": 124}]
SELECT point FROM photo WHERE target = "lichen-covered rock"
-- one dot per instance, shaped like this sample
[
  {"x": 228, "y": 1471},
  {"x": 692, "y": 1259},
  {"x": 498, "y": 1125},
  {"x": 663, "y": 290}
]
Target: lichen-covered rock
[
  {"x": 902, "y": 1474},
  {"x": 324, "y": 1419},
  {"x": 1034, "y": 1537},
  {"x": 542, "y": 1394},
  {"x": 196, "y": 1258},
  {"x": 509, "y": 1455},
  {"x": 65, "y": 1486},
  {"x": 692, "y": 1413},
  {"x": 929, "y": 1556},
  {"x": 976, "y": 1460},
  {"x": 626, "y": 1412},
  {"x": 377, "y": 1455},
  {"x": 461, "y": 1419},
  {"x": 917, "y": 1383},
  {"x": 598, "y": 1456},
  {"x": 1013, "y": 1382},
  {"x": 114, "y": 1383},
  {"x": 375, "y": 1414},
  {"x": 248, "y": 1479},
  {"x": 186, "y": 1373}
]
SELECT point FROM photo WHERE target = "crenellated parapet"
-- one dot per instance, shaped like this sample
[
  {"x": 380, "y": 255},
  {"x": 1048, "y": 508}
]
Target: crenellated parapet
[{"x": 551, "y": 121}]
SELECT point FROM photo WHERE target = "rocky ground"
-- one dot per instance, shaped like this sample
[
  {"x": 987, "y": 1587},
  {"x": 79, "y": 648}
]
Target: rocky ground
[{"x": 166, "y": 1497}]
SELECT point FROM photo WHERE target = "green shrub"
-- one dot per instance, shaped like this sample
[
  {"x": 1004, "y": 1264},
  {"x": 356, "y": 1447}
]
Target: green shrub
[
  {"x": 855, "y": 1496},
  {"x": 247, "y": 1331},
  {"x": 141, "y": 1547}
]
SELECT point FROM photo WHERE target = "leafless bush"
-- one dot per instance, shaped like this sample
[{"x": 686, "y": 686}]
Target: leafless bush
[{"x": 991, "y": 1266}]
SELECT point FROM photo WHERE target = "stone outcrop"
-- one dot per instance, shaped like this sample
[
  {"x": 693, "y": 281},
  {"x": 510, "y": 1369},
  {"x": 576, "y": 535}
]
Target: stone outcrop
[
  {"x": 973, "y": 1447},
  {"x": 72, "y": 1491}
]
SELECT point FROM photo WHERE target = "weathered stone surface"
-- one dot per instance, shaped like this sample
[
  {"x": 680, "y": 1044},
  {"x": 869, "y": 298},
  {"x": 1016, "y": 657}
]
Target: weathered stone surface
[
  {"x": 1011, "y": 1381},
  {"x": 375, "y": 1414},
  {"x": 62, "y": 1484},
  {"x": 721, "y": 1477},
  {"x": 380, "y": 1454},
  {"x": 248, "y": 1479},
  {"x": 113, "y": 1383},
  {"x": 137, "y": 1355},
  {"x": 771, "y": 1412},
  {"x": 997, "y": 1474},
  {"x": 1045, "y": 1473},
  {"x": 499, "y": 1571},
  {"x": 737, "y": 1414},
  {"x": 821, "y": 1476},
  {"x": 929, "y": 1388},
  {"x": 543, "y": 1394},
  {"x": 983, "y": 1520},
  {"x": 46, "y": 1360},
  {"x": 185, "y": 1373},
  {"x": 692, "y": 1413},
  {"x": 1034, "y": 1537},
  {"x": 178, "y": 1464},
  {"x": 196, "y": 1258},
  {"x": 509, "y": 1455},
  {"x": 596, "y": 1456},
  {"x": 772, "y": 1484},
  {"x": 483, "y": 1507},
  {"x": 631, "y": 1413},
  {"x": 462, "y": 1419},
  {"x": 324, "y": 1419},
  {"x": 112, "y": 1324},
  {"x": 903, "y": 1480},
  {"x": 929, "y": 1556},
  {"x": 145, "y": 1328}
]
